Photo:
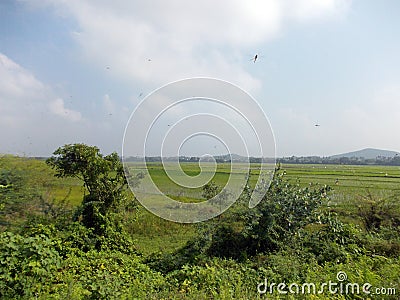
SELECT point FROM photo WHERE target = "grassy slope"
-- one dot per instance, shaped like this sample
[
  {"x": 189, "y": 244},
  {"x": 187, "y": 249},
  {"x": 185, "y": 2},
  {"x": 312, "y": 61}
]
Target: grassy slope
[{"x": 41, "y": 178}]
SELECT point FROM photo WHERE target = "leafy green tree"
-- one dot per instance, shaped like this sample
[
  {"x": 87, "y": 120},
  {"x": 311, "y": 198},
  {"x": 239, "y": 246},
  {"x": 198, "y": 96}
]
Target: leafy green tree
[
  {"x": 103, "y": 177},
  {"x": 210, "y": 190}
]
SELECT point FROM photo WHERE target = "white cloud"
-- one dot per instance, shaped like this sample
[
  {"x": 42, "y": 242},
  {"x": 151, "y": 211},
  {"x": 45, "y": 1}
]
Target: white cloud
[
  {"x": 30, "y": 113},
  {"x": 57, "y": 107},
  {"x": 15, "y": 81},
  {"x": 20, "y": 91},
  {"x": 22, "y": 95},
  {"x": 108, "y": 104},
  {"x": 183, "y": 38}
]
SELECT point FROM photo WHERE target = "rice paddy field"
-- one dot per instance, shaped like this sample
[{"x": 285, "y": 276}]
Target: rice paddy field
[
  {"x": 348, "y": 182},
  {"x": 351, "y": 186}
]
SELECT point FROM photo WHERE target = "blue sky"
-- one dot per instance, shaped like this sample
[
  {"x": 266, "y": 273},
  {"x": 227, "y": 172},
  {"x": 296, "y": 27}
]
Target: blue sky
[{"x": 73, "y": 71}]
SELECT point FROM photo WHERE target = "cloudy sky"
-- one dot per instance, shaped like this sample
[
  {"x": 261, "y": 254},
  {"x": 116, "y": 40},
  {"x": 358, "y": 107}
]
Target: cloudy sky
[{"x": 73, "y": 71}]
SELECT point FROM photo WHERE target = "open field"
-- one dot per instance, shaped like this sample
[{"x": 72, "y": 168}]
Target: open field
[
  {"x": 351, "y": 179},
  {"x": 348, "y": 183},
  {"x": 351, "y": 185}
]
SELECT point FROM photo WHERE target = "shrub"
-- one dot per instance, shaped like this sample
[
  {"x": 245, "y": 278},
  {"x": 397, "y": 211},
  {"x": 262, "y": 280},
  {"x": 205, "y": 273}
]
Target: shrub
[{"x": 27, "y": 264}]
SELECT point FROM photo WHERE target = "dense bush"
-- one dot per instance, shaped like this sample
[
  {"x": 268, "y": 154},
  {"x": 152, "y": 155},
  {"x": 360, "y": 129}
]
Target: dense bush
[
  {"x": 27, "y": 265},
  {"x": 270, "y": 226},
  {"x": 330, "y": 241},
  {"x": 106, "y": 275},
  {"x": 376, "y": 212}
]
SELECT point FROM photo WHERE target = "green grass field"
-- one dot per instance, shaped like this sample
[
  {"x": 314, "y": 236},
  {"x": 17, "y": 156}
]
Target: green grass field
[
  {"x": 348, "y": 182},
  {"x": 350, "y": 185},
  {"x": 344, "y": 179}
]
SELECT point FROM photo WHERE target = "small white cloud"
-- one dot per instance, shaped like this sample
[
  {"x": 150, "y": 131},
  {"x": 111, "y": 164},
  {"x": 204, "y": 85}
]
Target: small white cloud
[
  {"x": 108, "y": 104},
  {"x": 57, "y": 107},
  {"x": 18, "y": 84}
]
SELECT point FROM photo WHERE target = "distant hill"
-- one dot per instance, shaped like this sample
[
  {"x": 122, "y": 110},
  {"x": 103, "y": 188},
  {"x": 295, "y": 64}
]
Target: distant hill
[{"x": 368, "y": 153}]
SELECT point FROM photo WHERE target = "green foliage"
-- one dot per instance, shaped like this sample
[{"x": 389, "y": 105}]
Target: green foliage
[
  {"x": 385, "y": 242},
  {"x": 106, "y": 275},
  {"x": 32, "y": 266},
  {"x": 216, "y": 279},
  {"x": 26, "y": 264},
  {"x": 331, "y": 240},
  {"x": 210, "y": 190},
  {"x": 270, "y": 226},
  {"x": 285, "y": 209},
  {"x": 377, "y": 212},
  {"x": 103, "y": 177},
  {"x": 72, "y": 239}
]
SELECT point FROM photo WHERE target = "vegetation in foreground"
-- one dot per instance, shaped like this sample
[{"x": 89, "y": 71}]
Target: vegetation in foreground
[{"x": 99, "y": 249}]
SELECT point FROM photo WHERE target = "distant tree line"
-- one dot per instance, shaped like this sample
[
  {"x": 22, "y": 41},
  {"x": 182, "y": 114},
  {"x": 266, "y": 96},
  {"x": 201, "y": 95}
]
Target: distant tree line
[
  {"x": 329, "y": 160},
  {"x": 218, "y": 159},
  {"x": 379, "y": 160}
]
